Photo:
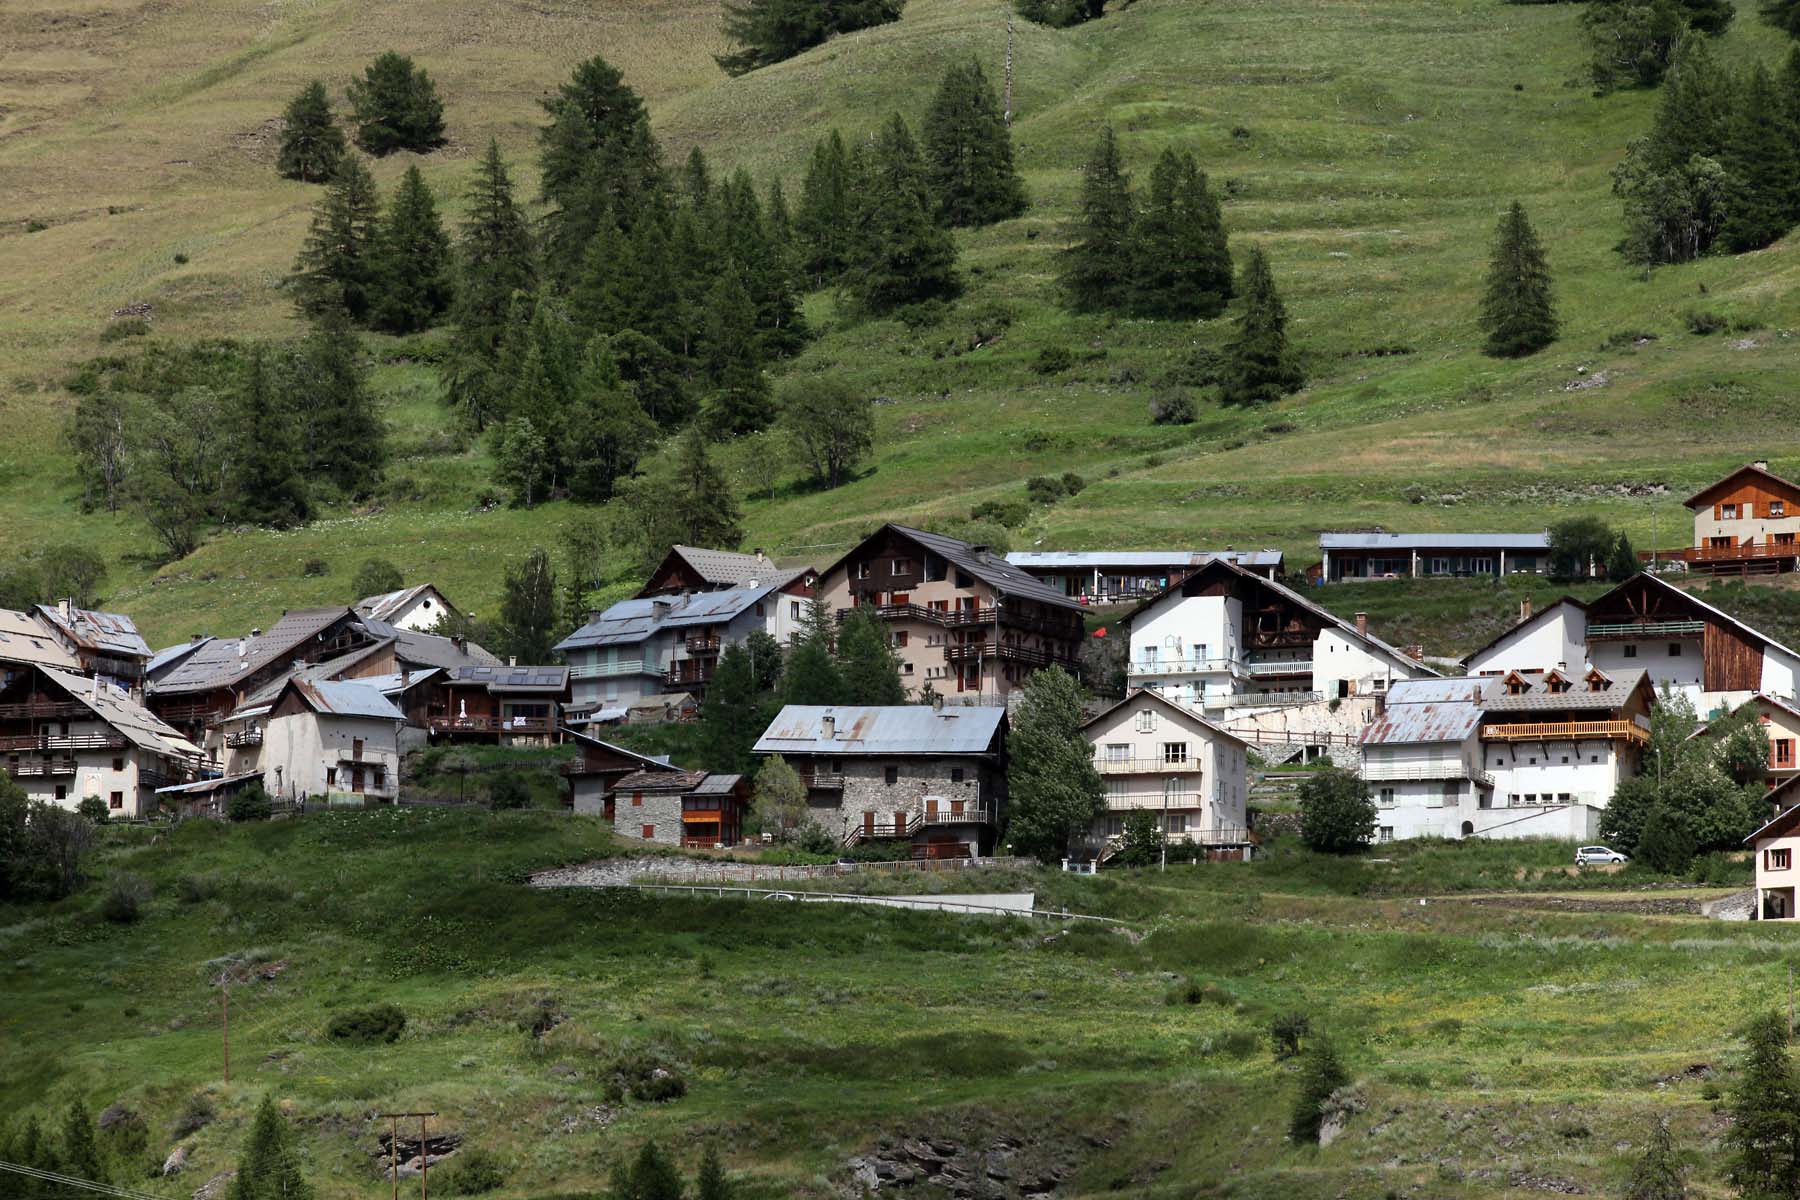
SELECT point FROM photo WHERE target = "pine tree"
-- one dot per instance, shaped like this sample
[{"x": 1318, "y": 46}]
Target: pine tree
[
  {"x": 712, "y": 1183},
  {"x": 1182, "y": 261},
  {"x": 80, "y": 1155},
  {"x": 1658, "y": 1174},
  {"x": 595, "y": 154},
  {"x": 1096, "y": 270},
  {"x": 327, "y": 388},
  {"x": 270, "y": 1167},
  {"x": 866, "y": 660},
  {"x": 732, "y": 715},
  {"x": 411, "y": 262},
  {"x": 396, "y": 107},
  {"x": 1763, "y": 167},
  {"x": 684, "y": 499},
  {"x": 496, "y": 262},
  {"x": 1321, "y": 1074},
  {"x": 1764, "y": 1135},
  {"x": 823, "y": 221},
  {"x": 696, "y": 180},
  {"x": 1783, "y": 15},
  {"x": 969, "y": 151},
  {"x": 810, "y": 675},
  {"x": 1259, "y": 367},
  {"x": 768, "y": 31},
  {"x": 311, "y": 142},
  {"x": 604, "y": 299},
  {"x": 1517, "y": 310},
  {"x": 608, "y": 432},
  {"x": 334, "y": 271},
  {"x": 1624, "y": 561},
  {"x": 746, "y": 237},
  {"x": 544, "y": 363},
  {"x": 1055, "y": 790},
  {"x": 1672, "y": 184},
  {"x": 899, "y": 256},
  {"x": 740, "y": 401},
  {"x": 521, "y": 460},
  {"x": 263, "y": 485},
  {"x": 528, "y": 610}
]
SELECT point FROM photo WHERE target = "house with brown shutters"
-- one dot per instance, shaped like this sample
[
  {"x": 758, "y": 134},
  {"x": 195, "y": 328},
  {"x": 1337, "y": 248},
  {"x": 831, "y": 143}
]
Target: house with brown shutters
[
  {"x": 1780, "y": 722},
  {"x": 963, "y": 621},
  {"x": 1747, "y": 523},
  {"x": 696, "y": 809}
]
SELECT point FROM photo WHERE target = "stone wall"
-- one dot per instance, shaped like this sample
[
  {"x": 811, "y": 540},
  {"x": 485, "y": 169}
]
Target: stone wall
[{"x": 659, "y": 809}]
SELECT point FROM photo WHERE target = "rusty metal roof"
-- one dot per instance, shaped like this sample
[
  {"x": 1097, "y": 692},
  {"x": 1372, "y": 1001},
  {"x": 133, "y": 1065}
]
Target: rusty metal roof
[
  {"x": 343, "y": 698},
  {"x": 850, "y": 729},
  {"x": 1428, "y": 710},
  {"x": 107, "y": 632}
]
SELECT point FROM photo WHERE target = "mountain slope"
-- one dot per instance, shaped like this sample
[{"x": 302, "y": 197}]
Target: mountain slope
[{"x": 1369, "y": 146}]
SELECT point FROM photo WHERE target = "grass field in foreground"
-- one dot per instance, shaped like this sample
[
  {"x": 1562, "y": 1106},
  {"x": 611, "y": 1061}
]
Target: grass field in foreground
[
  {"x": 1369, "y": 146},
  {"x": 1496, "y": 1046}
]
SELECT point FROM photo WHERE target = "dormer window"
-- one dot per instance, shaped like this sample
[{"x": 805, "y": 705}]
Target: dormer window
[
  {"x": 1556, "y": 683},
  {"x": 1778, "y": 508},
  {"x": 1516, "y": 685}
]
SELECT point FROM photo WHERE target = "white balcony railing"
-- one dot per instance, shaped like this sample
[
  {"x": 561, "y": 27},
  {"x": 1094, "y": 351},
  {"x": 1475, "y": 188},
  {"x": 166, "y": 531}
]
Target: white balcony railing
[
  {"x": 1148, "y": 765},
  {"x": 1280, "y": 666},
  {"x": 1185, "y": 666},
  {"x": 627, "y": 666},
  {"x": 1377, "y": 772}
]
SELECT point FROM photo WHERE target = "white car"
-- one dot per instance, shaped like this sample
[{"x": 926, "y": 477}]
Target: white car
[{"x": 1589, "y": 855}]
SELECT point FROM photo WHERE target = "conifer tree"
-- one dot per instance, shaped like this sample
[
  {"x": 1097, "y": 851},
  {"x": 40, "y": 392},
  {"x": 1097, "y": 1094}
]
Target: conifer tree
[
  {"x": 746, "y": 236},
  {"x": 784, "y": 330},
  {"x": 544, "y": 364},
  {"x": 1517, "y": 310},
  {"x": 899, "y": 256},
  {"x": 1321, "y": 1074},
  {"x": 1055, "y": 790},
  {"x": 597, "y": 157},
  {"x": 1623, "y": 563},
  {"x": 969, "y": 151},
  {"x": 270, "y": 1167},
  {"x": 411, "y": 262},
  {"x": 684, "y": 499},
  {"x": 768, "y": 31},
  {"x": 1259, "y": 366},
  {"x": 1762, "y": 165},
  {"x": 1657, "y": 1175},
  {"x": 1671, "y": 181},
  {"x": 822, "y": 223},
  {"x": 740, "y": 401},
  {"x": 604, "y": 297},
  {"x": 311, "y": 142},
  {"x": 711, "y": 1184},
  {"x": 263, "y": 485},
  {"x": 608, "y": 431},
  {"x": 80, "y": 1154},
  {"x": 496, "y": 262},
  {"x": 335, "y": 270},
  {"x": 696, "y": 180},
  {"x": 1096, "y": 270},
  {"x": 1783, "y": 15},
  {"x": 866, "y": 660},
  {"x": 732, "y": 715},
  {"x": 652, "y": 1177},
  {"x": 528, "y": 610},
  {"x": 1764, "y": 1135},
  {"x": 811, "y": 674},
  {"x": 327, "y": 389},
  {"x": 1182, "y": 261},
  {"x": 396, "y": 107}
]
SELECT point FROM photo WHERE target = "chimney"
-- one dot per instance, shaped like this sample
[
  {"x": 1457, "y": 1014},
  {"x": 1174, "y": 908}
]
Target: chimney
[
  {"x": 512, "y": 660},
  {"x": 194, "y": 638},
  {"x": 760, "y": 556},
  {"x": 978, "y": 551},
  {"x": 1362, "y": 623},
  {"x": 1563, "y": 667},
  {"x": 937, "y": 702},
  {"x": 66, "y": 606},
  {"x": 828, "y": 724},
  {"x": 1761, "y": 464},
  {"x": 1525, "y": 609}
]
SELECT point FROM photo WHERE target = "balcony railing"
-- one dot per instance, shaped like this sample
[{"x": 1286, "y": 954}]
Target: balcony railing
[
  {"x": 71, "y": 741},
  {"x": 1185, "y": 666},
  {"x": 42, "y": 767},
  {"x": 176, "y": 714},
  {"x": 1147, "y": 765},
  {"x": 42, "y": 708},
  {"x": 1615, "y": 630},
  {"x": 824, "y": 783},
  {"x": 244, "y": 737},
  {"x": 689, "y": 672},
  {"x": 967, "y": 618},
  {"x": 1375, "y": 772},
  {"x": 1736, "y": 553},
  {"x": 704, "y": 644},
  {"x": 1261, "y": 668},
  {"x": 1005, "y": 652},
  {"x": 603, "y": 670},
  {"x": 1261, "y": 699},
  {"x": 487, "y": 725},
  {"x": 968, "y": 814},
  {"x": 1564, "y": 731},
  {"x": 884, "y": 825}
]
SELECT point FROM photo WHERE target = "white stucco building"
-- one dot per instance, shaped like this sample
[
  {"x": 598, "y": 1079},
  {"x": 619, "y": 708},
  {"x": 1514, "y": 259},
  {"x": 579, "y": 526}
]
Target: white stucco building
[
  {"x": 1154, "y": 754},
  {"x": 332, "y": 740},
  {"x": 419, "y": 607}
]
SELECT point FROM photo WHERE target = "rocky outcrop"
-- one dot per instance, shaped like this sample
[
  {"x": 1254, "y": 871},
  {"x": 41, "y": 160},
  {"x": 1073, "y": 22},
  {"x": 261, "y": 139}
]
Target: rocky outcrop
[{"x": 969, "y": 1164}]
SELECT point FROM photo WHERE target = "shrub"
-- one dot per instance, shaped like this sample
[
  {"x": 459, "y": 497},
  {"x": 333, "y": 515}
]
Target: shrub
[
  {"x": 195, "y": 1115},
  {"x": 366, "y": 1026},
  {"x": 181, "y": 260},
  {"x": 1013, "y": 513},
  {"x": 125, "y": 899},
  {"x": 1667, "y": 844},
  {"x": 1192, "y": 991},
  {"x": 471, "y": 1173},
  {"x": 816, "y": 839},
  {"x": 1053, "y": 360},
  {"x": 249, "y": 803},
  {"x": 125, "y": 327},
  {"x": 1703, "y": 323},
  {"x": 1288, "y": 1032},
  {"x": 35, "y": 226},
  {"x": 94, "y": 809},
  {"x": 1320, "y": 1076},
  {"x": 1043, "y": 489},
  {"x": 1171, "y": 407},
  {"x": 1072, "y": 483},
  {"x": 508, "y": 790},
  {"x": 647, "y": 1078},
  {"x": 196, "y": 889},
  {"x": 376, "y": 577},
  {"x": 1336, "y": 814},
  {"x": 315, "y": 568}
]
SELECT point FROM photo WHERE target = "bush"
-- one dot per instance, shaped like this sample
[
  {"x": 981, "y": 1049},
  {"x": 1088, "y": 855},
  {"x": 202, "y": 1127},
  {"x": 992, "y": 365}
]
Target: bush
[
  {"x": 94, "y": 809},
  {"x": 1288, "y": 1032},
  {"x": 1053, "y": 360},
  {"x": 1002, "y": 512},
  {"x": 376, "y": 577},
  {"x": 125, "y": 899},
  {"x": 1072, "y": 484},
  {"x": 367, "y": 1026},
  {"x": 1192, "y": 991},
  {"x": 315, "y": 568},
  {"x": 35, "y": 226},
  {"x": 1043, "y": 489},
  {"x": 196, "y": 889},
  {"x": 125, "y": 327},
  {"x": 249, "y": 803},
  {"x": 508, "y": 790},
  {"x": 470, "y": 1173},
  {"x": 1336, "y": 814},
  {"x": 181, "y": 260},
  {"x": 1666, "y": 845},
  {"x": 195, "y": 1115},
  {"x": 816, "y": 839},
  {"x": 1171, "y": 407},
  {"x": 649, "y": 1079},
  {"x": 1320, "y": 1076},
  {"x": 1703, "y": 323}
]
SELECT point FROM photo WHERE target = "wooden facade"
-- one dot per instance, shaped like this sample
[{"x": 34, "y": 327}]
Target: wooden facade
[{"x": 1746, "y": 523}]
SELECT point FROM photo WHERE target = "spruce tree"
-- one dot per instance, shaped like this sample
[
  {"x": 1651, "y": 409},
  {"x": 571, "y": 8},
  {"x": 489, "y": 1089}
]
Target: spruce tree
[
  {"x": 335, "y": 271},
  {"x": 1763, "y": 167},
  {"x": 528, "y": 610},
  {"x": 899, "y": 255},
  {"x": 740, "y": 402},
  {"x": 596, "y": 156},
  {"x": 968, "y": 149},
  {"x": 684, "y": 499},
  {"x": 1517, "y": 310},
  {"x": 604, "y": 297},
  {"x": 312, "y": 145},
  {"x": 495, "y": 262},
  {"x": 326, "y": 387},
  {"x": 867, "y": 664},
  {"x": 1182, "y": 261},
  {"x": 810, "y": 674},
  {"x": 396, "y": 107},
  {"x": 696, "y": 180},
  {"x": 270, "y": 1166},
  {"x": 80, "y": 1155},
  {"x": 711, "y": 1184},
  {"x": 652, "y": 1177},
  {"x": 411, "y": 263},
  {"x": 1055, "y": 790},
  {"x": 1671, "y": 182},
  {"x": 1321, "y": 1074},
  {"x": 263, "y": 484},
  {"x": 1623, "y": 563},
  {"x": 1259, "y": 366},
  {"x": 1764, "y": 1136},
  {"x": 1096, "y": 270},
  {"x": 608, "y": 432},
  {"x": 822, "y": 223},
  {"x": 1658, "y": 1174}
]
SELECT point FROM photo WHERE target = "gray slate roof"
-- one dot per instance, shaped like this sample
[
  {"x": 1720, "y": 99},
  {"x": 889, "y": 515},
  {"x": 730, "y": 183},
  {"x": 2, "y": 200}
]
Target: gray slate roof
[
  {"x": 1101, "y": 560},
  {"x": 632, "y": 621},
  {"x": 224, "y": 661},
  {"x": 512, "y": 679},
  {"x": 1541, "y": 699},
  {"x": 109, "y": 633},
  {"x": 881, "y": 729},
  {"x": 1435, "y": 541},
  {"x": 727, "y": 566},
  {"x": 165, "y": 659},
  {"x": 991, "y": 569},
  {"x": 137, "y": 724}
]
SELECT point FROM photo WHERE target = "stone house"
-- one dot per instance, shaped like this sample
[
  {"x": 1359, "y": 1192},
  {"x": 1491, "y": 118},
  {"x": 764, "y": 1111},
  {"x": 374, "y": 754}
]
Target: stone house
[
  {"x": 933, "y": 776},
  {"x": 696, "y": 809},
  {"x": 597, "y": 768}
]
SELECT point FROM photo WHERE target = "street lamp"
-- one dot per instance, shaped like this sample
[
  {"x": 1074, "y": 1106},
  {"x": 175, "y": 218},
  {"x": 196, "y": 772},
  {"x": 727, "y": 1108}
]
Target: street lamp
[{"x": 1168, "y": 783}]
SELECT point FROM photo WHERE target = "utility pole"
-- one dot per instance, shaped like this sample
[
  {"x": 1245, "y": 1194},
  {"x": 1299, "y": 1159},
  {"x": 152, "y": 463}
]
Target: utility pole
[
  {"x": 394, "y": 1150},
  {"x": 225, "y": 1025},
  {"x": 1009, "y": 67}
]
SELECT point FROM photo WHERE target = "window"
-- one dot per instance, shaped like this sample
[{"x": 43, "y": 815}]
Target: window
[
  {"x": 1783, "y": 752},
  {"x": 116, "y": 800},
  {"x": 906, "y": 668},
  {"x": 1113, "y": 826},
  {"x": 956, "y": 774},
  {"x": 1778, "y": 508},
  {"x": 1777, "y": 859},
  {"x": 1118, "y": 752},
  {"x": 891, "y": 775},
  {"x": 637, "y": 799},
  {"x": 1562, "y": 797},
  {"x": 1175, "y": 823},
  {"x": 62, "y": 792},
  {"x": 1387, "y": 797},
  {"x": 1387, "y": 833},
  {"x": 794, "y": 609},
  {"x": 1557, "y": 684},
  {"x": 649, "y": 833},
  {"x": 118, "y": 764},
  {"x": 356, "y": 745},
  {"x": 1728, "y": 512},
  {"x": 1146, "y": 721},
  {"x": 1630, "y": 652},
  {"x": 1175, "y": 754},
  {"x": 900, "y": 637},
  {"x": 1674, "y": 649}
]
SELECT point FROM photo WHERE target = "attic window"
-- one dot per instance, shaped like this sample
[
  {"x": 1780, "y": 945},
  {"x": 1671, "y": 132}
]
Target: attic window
[
  {"x": 1516, "y": 686},
  {"x": 1778, "y": 508},
  {"x": 1597, "y": 684},
  {"x": 1558, "y": 684}
]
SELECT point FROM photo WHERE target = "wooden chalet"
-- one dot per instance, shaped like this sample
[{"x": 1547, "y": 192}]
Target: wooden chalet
[
  {"x": 685, "y": 570},
  {"x": 506, "y": 705},
  {"x": 1747, "y": 523},
  {"x": 104, "y": 643},
  {"x": 1683, "y": 641}
]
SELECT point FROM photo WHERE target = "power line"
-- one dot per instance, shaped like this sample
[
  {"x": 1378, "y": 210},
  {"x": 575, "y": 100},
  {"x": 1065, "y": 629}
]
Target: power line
[{"x": 105, "y": 1189}]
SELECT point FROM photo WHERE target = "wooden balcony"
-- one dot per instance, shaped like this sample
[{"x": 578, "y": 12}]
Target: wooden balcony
[
  {"x": 823, "y": 783},
  {"x": 72, "y": 741},
  {"x": 176, "y": 714},
  {"x": 952, "y": 814},
  {"x": 1005, "y": 652},
  {"x": 55, "y": 709},
  {"x": 703, "y": 644},
  {"x": 1742, "y": 552},
  {"x": 1568, "y": 731},
  {"x": 244, "y": 737},
  {"x": 41, "y": 767},
  {"x": 690, "y": 673},
  {"x": 1614, "y": 631}
]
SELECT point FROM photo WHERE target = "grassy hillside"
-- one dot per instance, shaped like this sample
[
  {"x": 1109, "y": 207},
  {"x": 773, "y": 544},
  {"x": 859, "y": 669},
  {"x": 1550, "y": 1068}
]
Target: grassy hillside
[
  {"x": 1518, "y": 1031},
  {"x": 1370, "y": 145}
]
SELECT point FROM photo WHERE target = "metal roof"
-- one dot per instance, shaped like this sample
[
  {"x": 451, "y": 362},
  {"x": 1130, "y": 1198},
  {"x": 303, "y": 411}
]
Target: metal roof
[
  {"x": 991, "y": 569},
  {"x": 23, "y": 640},
  {"x": 881, "y": 729},
  {"x": 206, "y": 786},
  {"x": 1437, "y": 691},
  {"x": 631, "y": 621},
  {"x": 1541, "y": 699},
  {"x": 1434, "y": 541},
  {"x": 717, "y": 785},
  {"x": 342, "y": 698},
  {"x": 512, "y": 679},
  {"x": 169, "y": 656},
  {"x": 112, "y": 633},
  {"x": 1100, "y": 560},
  {"x": 137, "y": 724},
  {"x": 389, "y": 603},
  {"x": 1427, "y": 710},
  {"x": 224, "y": 661}
]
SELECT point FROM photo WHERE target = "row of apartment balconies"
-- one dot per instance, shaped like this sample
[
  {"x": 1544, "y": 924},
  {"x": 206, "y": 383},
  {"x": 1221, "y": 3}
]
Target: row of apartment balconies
[{"x": 1252, "y": 668}]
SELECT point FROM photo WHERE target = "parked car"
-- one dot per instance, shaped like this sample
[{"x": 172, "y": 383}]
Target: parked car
[{"x": 1590, "y": 855}]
